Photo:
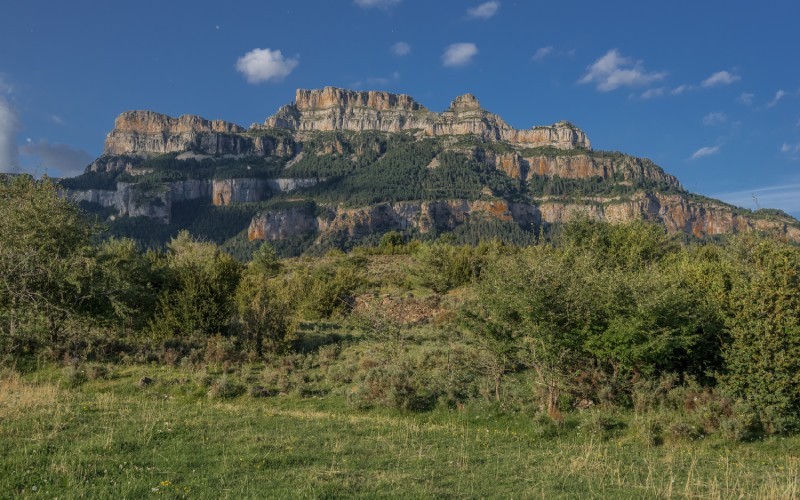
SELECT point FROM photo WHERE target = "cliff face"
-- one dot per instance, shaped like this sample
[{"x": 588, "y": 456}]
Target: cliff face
[
  {"x": 145, "y": 133},
  {"x": 338, "y": 109},
  {"x": 674, "y": 211},
  {"x": 298, "y": 153}
]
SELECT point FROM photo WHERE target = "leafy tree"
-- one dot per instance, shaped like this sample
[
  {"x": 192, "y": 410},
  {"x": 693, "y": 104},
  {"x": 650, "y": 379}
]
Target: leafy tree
[
  {"x": 533, "y": 308},
  {"x": 650, "y": 321},
  {"x": 762, "y": 360},
  {"x": 198, "y": 298},
  {"x": 443, "y": 266},
  {"x": 265, "y": 311},
  {"x": 45, "y": 259},
  {"x": 630, "y": 246}
]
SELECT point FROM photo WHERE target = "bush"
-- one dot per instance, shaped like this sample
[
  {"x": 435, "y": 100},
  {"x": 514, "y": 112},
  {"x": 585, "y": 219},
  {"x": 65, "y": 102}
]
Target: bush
[
  {"x": 442, "y": 266},
  {"x": 225, "y": 387},
  {"x": 198, "y": 299},
  {"x": 762, "y": 360},
  {"x": 74, "y": 376}
]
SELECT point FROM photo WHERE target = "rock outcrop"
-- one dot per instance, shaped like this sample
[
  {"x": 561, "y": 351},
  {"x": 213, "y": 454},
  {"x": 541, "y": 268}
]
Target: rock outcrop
[
  {"x": 614, "y": 167},
  {"x": 229, "y": 191},
  {"x": 282, "y": 224},
  {"x": 674, "y": 211},
  {"x": 295, "y": 140},
  {"x": 332, "y": 108},
  {"x": 146, "y": 133}
]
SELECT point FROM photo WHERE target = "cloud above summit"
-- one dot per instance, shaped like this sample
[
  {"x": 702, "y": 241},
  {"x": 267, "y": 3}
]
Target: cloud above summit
[
  {"x": 459, "y": 54},
  {"x": 613, "y": 70},
  {"x": 484, "y": 10},
  {"x": 264, "y": 65}
]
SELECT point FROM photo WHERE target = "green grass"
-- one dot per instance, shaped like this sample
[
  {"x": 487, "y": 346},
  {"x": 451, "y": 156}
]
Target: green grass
[{"x": 110, "y": 438}]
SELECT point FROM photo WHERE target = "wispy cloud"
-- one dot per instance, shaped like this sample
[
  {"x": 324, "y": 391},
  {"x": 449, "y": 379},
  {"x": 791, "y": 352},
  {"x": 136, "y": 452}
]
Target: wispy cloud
[
  {"x": 549, "y": 51},
  {"x": 400, "y": 49},
  {"x": 783, "y": 196},
  {"x": 720, "y": 78},
  {"x": 652, "y": 93},
  {"x": 57, "y": 119},
  {"x": 793, "y": 150},
  {"x": 715, "y": 118},
  {"x": 376, "y": 81},
  {"x": 705, "y": 151},
  {"x": 746, "y": 98},
  {"x": 483, "y": 11},
  {"x": 381, "y": 4},
  {"x": 613, "y": 70},
  {"x": 680, "y": 89},
  {"x": 542, "y": 52},
  {"x": 65, "y": 160},
  {"x": 778, "y": 96},
  {"x": 5, "y": 87},
  {"x": 9, "y": 126},
  {"x": 459, "y": 54},
  {"x": 263, "y": 65}
]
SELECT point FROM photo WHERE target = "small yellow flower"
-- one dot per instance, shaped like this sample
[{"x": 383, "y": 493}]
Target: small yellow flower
[{"x": 165, "y": 483}]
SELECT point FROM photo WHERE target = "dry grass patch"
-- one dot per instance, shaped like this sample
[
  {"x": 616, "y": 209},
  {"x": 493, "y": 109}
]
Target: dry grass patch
[{"x": 18, "y": 396}]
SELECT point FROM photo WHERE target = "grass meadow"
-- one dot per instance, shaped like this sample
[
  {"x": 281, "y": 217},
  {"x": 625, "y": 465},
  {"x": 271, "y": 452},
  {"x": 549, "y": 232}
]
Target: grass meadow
[{"x": 112, "y": 438}]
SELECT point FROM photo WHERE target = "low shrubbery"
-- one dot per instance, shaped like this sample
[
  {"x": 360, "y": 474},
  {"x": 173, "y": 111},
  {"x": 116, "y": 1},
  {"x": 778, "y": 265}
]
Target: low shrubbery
[{"x": 690, "y": 339}]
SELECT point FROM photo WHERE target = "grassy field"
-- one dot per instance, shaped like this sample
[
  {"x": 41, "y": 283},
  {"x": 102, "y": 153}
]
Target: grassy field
[{"x": 111, "y": 438}]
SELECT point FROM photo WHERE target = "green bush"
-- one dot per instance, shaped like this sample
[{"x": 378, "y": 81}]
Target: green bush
[{"x": 762, "y": 359}]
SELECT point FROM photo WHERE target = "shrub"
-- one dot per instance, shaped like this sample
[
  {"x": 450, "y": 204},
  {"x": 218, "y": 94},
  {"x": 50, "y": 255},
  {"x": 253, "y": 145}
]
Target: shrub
[
  {"x": 74, "y": 376},
  {"x": 225, "y": 387},
  {"x": 442, "y": 266},
  {"x": 762, "y": 360}
]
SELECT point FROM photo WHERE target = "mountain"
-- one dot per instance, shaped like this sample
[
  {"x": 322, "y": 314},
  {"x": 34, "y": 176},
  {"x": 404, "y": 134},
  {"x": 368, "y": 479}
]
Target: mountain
[{"x": 337, "y": 167}]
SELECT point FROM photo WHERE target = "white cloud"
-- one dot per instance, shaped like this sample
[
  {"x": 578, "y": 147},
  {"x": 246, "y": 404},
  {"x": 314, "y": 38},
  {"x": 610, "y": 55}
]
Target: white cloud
[
  {"x": 484, "y": 10},
  {"x": 680, "y": 89},
  {"x": 57, "y": 119},
  {"x": 542, "y": 52},
  {"x": 778, "y": 96},
  {"x": 459, "y": 54},
  {"x": 720, "y": 78},
  {"x": 715, "y": 118},
  {"x": 381, "y": 4},
  {"x": 401, "y": 49},
  {"x": 66, "y": 160},
  {"x": 651, "y": 93},
  {"x": 9, "y": 126},
  {"x": 746, "y": 99},
  {"x": 614, "y": 70},
  {"x": 262, "y": 65},
  {"x": 705, "y": 151}
]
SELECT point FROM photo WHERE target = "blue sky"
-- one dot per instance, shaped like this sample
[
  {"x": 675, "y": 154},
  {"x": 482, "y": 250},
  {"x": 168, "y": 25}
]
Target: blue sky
[{"x": 710, "y": 90}]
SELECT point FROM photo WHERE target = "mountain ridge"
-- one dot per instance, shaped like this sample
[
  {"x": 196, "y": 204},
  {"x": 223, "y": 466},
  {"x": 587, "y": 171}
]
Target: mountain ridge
[{"x": 356, "y": 155}]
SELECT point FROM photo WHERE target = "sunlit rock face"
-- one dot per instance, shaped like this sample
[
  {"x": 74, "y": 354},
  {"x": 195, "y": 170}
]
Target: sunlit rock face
[{"x": 332, "y": 108}]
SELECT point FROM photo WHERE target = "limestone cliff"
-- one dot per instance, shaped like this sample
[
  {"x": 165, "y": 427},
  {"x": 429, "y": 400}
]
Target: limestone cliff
[
  {"x": 674, "y": 211},
  {"x": 475, "y": 166},
  {"x": 332, "y": 108},
  {"x": 146, "y": 133}
]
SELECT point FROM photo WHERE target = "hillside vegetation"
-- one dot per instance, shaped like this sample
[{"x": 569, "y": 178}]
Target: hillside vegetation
[{"x": 606, "y": 358}]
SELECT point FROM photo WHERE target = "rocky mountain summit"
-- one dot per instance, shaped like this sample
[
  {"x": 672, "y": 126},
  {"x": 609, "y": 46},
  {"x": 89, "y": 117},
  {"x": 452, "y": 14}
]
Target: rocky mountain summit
[
  {"x": 337, "y": 109},
  {"x": 338, "y": 166}
]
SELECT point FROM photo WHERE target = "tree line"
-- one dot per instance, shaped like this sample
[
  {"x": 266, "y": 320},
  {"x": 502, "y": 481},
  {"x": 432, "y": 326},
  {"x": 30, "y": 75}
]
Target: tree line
[{"x": 585, "y": 315}]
